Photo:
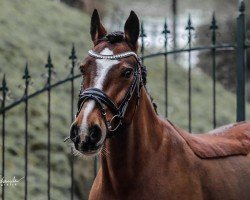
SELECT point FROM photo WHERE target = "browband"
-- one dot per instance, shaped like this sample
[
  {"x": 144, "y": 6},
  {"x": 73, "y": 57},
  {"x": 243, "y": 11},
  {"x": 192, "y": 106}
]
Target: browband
[{"x": 113, "y": 57}]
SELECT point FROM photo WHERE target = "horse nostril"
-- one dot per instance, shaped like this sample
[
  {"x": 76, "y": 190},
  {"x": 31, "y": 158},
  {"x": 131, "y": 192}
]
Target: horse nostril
[
  {"x": 95, "y": 133},
  {"x": 74, "y": 133}
]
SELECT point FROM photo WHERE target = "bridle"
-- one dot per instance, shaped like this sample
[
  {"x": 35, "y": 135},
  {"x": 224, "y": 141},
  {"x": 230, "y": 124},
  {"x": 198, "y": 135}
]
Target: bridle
[{"x": 102, "y": 99}]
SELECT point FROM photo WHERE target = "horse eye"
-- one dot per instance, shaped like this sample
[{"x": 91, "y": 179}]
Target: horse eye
[{"x": 127, "y": 73}]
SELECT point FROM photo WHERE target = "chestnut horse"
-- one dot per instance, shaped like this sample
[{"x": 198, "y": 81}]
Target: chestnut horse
[{"x": 144, "y": 156}]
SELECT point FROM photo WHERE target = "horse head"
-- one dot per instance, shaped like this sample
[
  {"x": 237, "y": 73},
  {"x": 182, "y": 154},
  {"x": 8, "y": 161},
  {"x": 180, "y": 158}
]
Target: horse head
[{"x": 111, "y": 83}]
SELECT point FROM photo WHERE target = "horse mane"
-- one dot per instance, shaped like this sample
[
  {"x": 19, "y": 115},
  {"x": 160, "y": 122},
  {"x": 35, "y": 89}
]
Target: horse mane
[{"x": 144, "y": 80}]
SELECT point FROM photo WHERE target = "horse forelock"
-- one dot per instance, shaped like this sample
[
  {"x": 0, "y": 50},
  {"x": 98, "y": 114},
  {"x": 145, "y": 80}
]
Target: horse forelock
[
  {"x": 113, "y": 37},
  {"x": 117, "y": 37}
]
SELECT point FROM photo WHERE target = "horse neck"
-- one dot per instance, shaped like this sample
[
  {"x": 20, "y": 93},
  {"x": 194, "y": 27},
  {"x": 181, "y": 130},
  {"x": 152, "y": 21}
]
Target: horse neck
[{"x": 128, "y": 151}]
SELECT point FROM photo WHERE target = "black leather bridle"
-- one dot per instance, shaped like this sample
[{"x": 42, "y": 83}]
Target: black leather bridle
[{"x": 102, "y": 99}]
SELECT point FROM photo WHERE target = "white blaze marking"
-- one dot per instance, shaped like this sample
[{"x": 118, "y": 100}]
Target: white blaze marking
[{"x": 103, "y": 67}]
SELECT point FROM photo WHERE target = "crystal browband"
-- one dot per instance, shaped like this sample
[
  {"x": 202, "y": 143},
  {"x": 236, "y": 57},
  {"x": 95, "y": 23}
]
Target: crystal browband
[{"x": 113, "y": 57}]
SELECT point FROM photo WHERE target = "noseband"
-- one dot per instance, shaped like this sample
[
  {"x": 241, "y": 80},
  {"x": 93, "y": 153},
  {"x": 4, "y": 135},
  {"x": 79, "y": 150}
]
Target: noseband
[{"x": 102, "y": 99}]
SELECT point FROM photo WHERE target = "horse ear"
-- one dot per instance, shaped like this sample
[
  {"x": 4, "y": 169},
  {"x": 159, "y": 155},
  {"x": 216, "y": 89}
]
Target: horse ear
[
  {"x": 97, "y": 31},
  {"x": 132, "y": 29}
]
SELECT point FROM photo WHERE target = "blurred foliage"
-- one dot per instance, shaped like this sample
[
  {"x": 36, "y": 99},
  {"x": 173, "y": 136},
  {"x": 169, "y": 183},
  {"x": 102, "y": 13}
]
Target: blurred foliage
[
  {"x": 28, "y": 31},
  {"x": 89, "y": 5},
  {"x": 225, "y": 59}
]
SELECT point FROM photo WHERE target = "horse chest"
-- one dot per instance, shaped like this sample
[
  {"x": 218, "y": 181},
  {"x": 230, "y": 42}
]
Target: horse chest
[{"x": 158, "y": 185}]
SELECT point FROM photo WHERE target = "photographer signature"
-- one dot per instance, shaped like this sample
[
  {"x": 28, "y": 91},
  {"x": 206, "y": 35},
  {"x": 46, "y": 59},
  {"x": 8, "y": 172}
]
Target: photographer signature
[{"x": 10, "y": 182}]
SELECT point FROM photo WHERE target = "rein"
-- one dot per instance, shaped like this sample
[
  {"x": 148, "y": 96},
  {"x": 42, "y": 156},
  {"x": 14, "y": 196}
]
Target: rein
[{"x": 102, "y": 99}]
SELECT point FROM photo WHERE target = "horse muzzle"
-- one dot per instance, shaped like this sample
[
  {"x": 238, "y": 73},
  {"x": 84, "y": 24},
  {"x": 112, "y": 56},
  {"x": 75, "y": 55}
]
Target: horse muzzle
[{"x": 88, "y": 142}]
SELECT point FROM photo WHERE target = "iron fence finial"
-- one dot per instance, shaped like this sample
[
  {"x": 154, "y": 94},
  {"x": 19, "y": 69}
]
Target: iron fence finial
[
  {"x": 49, "y": 65},
  {"x": 165, "y": 29},
  {"x": 189, "y": 28},
  {"x": 189, "y": 23},
  {"x": 4, "y": 87},
  {"x": 165, "y": 32},
  {"x": 73, "y": 53},
  {"x": 26, "y": 75},
  {"x": 213, "y": 25},
  {"x": 242, "y": 6},
  {"x": 143, "y": 34},
  {"x": 73, "y": 58}
]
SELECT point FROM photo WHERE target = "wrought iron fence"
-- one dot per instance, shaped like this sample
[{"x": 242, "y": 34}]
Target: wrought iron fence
[
  {"x": 25, "y": 100},
  {"x": 239, "y": 47}
]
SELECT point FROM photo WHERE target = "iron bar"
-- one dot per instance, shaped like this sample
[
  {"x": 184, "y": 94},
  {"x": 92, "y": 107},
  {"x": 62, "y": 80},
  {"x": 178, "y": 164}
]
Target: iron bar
[
  {"x": 73, "y": 58},
  {"x": 72, "y": 175},
  {"x": 49, "y": 67},
  {"x": 166, "y": 32},
  {"x": 213, "y": 28},
  {"x": 174, "y": 13},
  {"x": 241, "y": 63},
  {"x": 189, "y": 28},
  {"x": 26, "y": 77},
  {"x": 219, "y": 47},
  {"x": 49, "y": 141},
  {"x": 142, "y": 35},
  {"x": 247, "y": 46},
  {"x": 4, "y": 90}
]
